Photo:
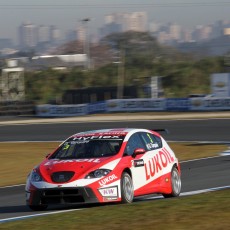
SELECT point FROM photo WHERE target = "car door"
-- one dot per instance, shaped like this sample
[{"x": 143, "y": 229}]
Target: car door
[
  {"x": 153, "y": 162},
  {"x": 137, "y": 168}
]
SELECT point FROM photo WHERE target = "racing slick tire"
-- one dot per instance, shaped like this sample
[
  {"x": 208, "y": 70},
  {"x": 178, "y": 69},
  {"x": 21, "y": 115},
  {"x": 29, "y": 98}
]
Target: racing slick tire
[
  {"x": 175, "y": 183},
  {"x": 127, "y": 190},
  {"x": 38, "y": 207}
]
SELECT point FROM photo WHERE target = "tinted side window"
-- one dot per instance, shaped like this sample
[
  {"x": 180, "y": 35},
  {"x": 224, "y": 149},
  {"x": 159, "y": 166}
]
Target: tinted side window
[
  {"x": 133, "y": 143},
  {"x": 151, "y": 141}
]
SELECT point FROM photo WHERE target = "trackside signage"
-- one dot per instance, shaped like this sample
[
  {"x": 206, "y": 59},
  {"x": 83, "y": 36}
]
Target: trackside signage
[
  {"x": 97, "y": 107},
  {"x": 210, "y": 104},
  {"x": 220, "y": 84},
  {"x": 177, "y": 104},
  {"x": 61, "y": 110},
  {"x": 147, "y": 104},
  {"x": 136, "y": 105}
]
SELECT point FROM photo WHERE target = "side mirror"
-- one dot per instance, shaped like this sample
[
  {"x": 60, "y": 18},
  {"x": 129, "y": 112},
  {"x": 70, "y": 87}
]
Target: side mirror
[{"x": 138, "y": 151}]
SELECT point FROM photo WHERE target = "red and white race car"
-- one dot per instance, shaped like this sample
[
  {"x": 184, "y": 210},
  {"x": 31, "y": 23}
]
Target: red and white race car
[{"x": 109, "y": 165}]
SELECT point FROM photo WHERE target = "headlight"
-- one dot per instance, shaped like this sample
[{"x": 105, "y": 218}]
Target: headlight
[
  {"x": 98, "y": 173},
  {"x": 36, "y": 177}
]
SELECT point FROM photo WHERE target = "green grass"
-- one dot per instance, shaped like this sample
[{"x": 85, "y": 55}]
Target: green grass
[
  {"x": 18, "y": 159},
  {"x": 204, "y": 211}
]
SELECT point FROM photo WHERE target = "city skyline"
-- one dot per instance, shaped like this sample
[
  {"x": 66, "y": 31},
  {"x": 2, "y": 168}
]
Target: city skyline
[{"x": 66, "y": 16}]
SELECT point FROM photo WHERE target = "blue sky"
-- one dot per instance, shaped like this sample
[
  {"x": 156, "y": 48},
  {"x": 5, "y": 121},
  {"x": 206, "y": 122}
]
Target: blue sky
[{"x": 66, "y": 14}]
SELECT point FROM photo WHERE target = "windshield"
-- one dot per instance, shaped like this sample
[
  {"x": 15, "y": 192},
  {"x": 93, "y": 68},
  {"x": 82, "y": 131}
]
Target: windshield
[{"x": 88, "y": 148}]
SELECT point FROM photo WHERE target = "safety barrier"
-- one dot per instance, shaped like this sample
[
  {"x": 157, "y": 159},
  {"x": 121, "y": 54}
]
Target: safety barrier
[
  {"x": 11, "y": 108},
  {"x": 136, "y": 105}
]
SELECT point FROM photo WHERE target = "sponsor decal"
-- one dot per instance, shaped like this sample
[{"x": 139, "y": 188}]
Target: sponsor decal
[
  {"x": 96, "y": 107},
  {"x": 146, "y": 104},
  {"x": 220, "y": 84},
  {"x": 109, "y": 192},
  {"x": 138, "y": 163},
  {"x": 152, "y": 146},
  {"x": 107, "y": 180},
  {"x": 196, "y": 102},
  {"x": 177, "y": 104},
  {"x": 112, "y": 132},
  {"x": 113, "y": 104},
  {"x": 86, "y": 138},
  {"x": 154, "y": 165},
  {"x": 79, "y": 142},
  {"x": 223, "y": 102},
  {"x": 109, "y": 198},
  {"x": 94, "y": 160}
]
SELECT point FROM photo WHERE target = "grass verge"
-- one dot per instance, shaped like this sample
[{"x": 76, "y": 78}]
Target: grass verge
[
  {"x": 204, "y": 211},
  {"x": 18, "y": 159}
]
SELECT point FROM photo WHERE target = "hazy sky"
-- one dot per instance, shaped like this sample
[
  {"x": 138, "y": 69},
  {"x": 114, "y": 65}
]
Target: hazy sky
[{"x": 66, "y": 14}]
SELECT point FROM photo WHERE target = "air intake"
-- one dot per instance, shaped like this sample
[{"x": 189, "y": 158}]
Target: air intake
[{"x": 63, "y": 176}]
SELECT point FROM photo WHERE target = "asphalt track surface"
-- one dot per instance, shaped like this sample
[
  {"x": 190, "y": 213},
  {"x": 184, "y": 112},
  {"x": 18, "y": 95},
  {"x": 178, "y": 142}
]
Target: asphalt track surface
[{"x": 196, "y": 175}]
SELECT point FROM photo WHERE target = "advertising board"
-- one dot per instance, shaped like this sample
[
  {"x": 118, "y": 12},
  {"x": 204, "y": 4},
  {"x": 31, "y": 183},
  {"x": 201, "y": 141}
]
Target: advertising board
[{"x": 220, "y": 84}]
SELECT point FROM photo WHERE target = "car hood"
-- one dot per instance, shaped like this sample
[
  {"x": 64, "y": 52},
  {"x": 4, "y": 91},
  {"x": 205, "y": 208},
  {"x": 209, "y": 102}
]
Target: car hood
[{"x": 78, "y": 167}]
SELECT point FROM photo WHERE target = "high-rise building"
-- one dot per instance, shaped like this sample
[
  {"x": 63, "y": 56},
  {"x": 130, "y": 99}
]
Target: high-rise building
[
  {"x": 28, "y": 35},
  {"x": 81, "y": 33},
  {"x": 122, "y": 22},
  {"x": 137, "y": 21},
  {"x": 175, "y": 32},
  {"x": 43, "y": 34},
  {"x": 55, "y": 34},
  {"x": 206, "y": 32}
]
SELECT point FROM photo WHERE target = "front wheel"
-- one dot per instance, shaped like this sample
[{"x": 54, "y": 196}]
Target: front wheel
[
  {"x": 127, "y": 191},
  {"x": 175, "y": 183}
]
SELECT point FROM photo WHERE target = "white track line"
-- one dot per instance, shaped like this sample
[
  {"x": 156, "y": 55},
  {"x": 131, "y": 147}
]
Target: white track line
[{"x": 35, "y": 215}]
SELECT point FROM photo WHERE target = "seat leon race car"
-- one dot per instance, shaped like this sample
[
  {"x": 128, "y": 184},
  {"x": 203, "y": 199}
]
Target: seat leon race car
[{"x": 109, "y": 165}]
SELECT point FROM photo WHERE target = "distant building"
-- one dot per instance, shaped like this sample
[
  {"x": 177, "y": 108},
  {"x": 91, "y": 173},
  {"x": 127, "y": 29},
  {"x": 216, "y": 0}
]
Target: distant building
[
  {"x": 227, "y": 31},
  {"x": 28, "y": 36},
  {"x": 137, "y": 21},
  {"x": 175, "y": 32},
  {"x": 81, "y": 33},
  {"x": 55, "y": 35},
  {"x": 122, "y": 22},
  {"x": 43, "y": 34}
]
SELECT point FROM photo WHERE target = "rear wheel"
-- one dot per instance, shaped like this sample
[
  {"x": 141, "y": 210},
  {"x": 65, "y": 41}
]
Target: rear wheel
[
  {"x": 175, "y": 183},
  {"x": 38, "y": 207},
  {"x": 127, "y": 191}
]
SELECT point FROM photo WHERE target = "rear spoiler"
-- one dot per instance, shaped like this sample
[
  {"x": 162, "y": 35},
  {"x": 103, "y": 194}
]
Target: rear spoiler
[{"x": 161, "y": 130}]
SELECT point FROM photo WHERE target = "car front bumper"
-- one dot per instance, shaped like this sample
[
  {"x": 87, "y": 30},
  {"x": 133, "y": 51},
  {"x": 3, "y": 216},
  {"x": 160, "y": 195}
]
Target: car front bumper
[{"x": 61, "y": 196}]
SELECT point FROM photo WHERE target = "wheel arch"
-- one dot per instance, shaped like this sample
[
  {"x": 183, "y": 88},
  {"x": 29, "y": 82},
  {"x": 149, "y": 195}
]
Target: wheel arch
[
  {"x": 127, "y": 170},
  {"x": 177, "y": 166}
]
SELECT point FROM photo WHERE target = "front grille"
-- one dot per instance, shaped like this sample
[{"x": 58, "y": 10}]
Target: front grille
[
  {"x": 62, "y": 176},
  {"x": 63, "y": 195}
]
